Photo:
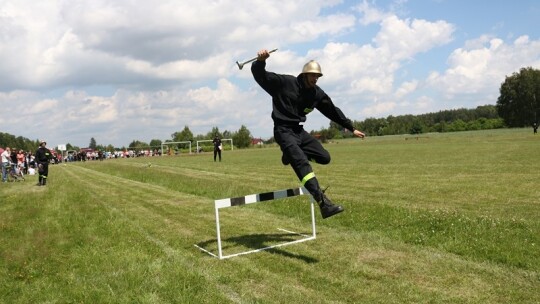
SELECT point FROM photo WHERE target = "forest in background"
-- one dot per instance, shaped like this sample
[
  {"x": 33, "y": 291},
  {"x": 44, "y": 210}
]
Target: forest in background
[{"x": 481, "y": 118}]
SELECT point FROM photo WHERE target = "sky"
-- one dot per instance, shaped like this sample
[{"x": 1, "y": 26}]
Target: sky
[{"x": 125, "y": 70}]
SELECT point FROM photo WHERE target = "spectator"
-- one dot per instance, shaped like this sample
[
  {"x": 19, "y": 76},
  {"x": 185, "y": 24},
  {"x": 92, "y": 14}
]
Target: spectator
[
  {"x": 13, "y": 156},
  {"x": 6, "y": 158},
  {"x": 20, "y": 160}
]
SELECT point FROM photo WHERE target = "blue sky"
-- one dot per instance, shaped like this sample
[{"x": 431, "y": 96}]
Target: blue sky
[{"x": 124, "y": 70}]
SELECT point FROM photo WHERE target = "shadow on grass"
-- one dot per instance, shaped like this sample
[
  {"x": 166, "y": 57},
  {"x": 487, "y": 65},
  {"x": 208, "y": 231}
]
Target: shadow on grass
[{"x": 259, "y": 241}]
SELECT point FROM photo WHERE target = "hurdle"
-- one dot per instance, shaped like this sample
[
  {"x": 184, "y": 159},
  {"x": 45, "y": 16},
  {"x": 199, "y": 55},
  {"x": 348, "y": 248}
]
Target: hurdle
[{"x": 255, "y": 198}]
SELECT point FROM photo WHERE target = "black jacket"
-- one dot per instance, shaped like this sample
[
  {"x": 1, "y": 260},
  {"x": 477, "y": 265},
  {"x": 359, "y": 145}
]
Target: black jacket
[
  {"x": 43, "y": 155},
  {"x": 217, "y": 143},
  {"x": 292, "y": 101}
]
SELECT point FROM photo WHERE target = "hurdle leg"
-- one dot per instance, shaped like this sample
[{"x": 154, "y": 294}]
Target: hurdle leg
[
  {"x": 313, "y": 229},
  {"x": 220, "y": 254}
]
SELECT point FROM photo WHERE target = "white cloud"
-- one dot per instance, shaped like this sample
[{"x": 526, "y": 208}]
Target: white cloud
[
  {"x": 406, "y": 88},
  {"x": 360, "y": 69},
  {"x": 422, "y": 104},
  {"x": 379, "y": 108},
  {"x": 333, "y": 24},
  {"x": 43, "y": 106},
  {"x": 406, "y": 38},
  {"x": 370, "y": 14},
  {"x": 78, "y": 42},
  {"x": 484, "y": 64}
]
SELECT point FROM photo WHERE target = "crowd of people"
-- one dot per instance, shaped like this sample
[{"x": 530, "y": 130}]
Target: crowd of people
[
  {"x": 16, "y": 163},
  {"x": 88, "y": 154}
]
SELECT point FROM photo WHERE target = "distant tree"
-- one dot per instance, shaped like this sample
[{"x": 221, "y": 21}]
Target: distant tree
[
  {"x": 373, "y": 126},
  {"x": 200, "y": 137},
  {"x": 242, "y": 138},
  {"x": 154, "y": 143},
  {"x": 487, "y": 111},
  {"x": 213, "y": 133},
  {"x": 458, "y": 125},
  {"x": 519, "y": 100},
  {"x": 336, "y": 131},
  {"x": 440, "y": 127},
  {"x": 184, "y": 135},
  {"x": 417, "y": 127},
  {"x": 270, "y": 141},
  {"x": 21, "y": 143},
  {"x": 137, "y": 144},
  {"x": 93, "y": 144}
]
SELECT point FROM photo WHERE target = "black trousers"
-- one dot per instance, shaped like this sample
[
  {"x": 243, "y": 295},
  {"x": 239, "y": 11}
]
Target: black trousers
[
  {"x": 217, "y": 151},
  {"x": 299, "y": 148},
  {"x": 43, "y": 171}
]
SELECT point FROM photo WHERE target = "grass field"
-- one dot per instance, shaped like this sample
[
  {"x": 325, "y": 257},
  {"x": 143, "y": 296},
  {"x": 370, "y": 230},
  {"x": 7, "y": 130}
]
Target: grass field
[{"x": 443, "y": 218}]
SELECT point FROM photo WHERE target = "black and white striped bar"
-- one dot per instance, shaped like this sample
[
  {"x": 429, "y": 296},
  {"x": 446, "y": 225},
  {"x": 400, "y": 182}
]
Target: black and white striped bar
[{"x": 259, "y": 197}]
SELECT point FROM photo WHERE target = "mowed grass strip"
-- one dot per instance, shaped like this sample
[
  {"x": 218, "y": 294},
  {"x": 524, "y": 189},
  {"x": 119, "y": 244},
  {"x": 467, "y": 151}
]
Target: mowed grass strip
[{"x": 124, "y": 230}]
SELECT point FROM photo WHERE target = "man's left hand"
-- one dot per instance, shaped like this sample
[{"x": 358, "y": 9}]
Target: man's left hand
[{"x": 358, "y": 133}]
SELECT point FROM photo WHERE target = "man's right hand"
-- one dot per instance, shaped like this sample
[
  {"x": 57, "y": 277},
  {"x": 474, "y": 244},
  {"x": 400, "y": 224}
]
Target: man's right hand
[{"x": 262, "y": 55}]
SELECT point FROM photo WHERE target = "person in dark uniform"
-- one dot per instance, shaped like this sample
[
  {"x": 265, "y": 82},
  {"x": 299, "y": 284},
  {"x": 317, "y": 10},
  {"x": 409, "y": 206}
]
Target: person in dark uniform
[
  {"x": 217, "y": 147},
  {"x": 535, "y": 127},
  {"x": 14, "y": 161},
  {"x": 292, "y": 99},
  {"x": 43, "y": 157}
]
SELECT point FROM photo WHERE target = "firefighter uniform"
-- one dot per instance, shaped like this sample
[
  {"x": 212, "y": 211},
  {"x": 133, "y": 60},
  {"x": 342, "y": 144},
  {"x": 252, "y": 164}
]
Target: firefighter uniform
[
  {"x": 43, "y": 157},
  {"x": 217, "y": 147},
  {"x": 292, "y": 100}
]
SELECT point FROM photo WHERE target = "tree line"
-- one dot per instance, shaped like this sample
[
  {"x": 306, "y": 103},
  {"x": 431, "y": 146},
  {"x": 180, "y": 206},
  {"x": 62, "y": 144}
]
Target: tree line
[
  {"x": 18, "y": 142},
  {"x": 481, "y": 118}
]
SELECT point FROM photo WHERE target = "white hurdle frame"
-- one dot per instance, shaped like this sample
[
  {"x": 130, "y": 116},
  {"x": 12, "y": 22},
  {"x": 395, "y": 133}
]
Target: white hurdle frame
[
  {"x": 255, "y": 198},
  {"x": 175, "y": 142}
]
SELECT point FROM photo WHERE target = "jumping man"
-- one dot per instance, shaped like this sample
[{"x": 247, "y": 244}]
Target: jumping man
[{"x": 292, "y": 99}]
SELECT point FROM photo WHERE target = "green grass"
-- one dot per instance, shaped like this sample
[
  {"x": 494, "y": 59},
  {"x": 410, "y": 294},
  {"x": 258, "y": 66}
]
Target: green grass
[{"x": 445, "y": 218}]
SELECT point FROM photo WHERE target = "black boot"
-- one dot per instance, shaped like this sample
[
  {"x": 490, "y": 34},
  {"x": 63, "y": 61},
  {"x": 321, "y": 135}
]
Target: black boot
[
  {"x": 328, "y": 208},
  {"x": 39, "y": 181}
]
